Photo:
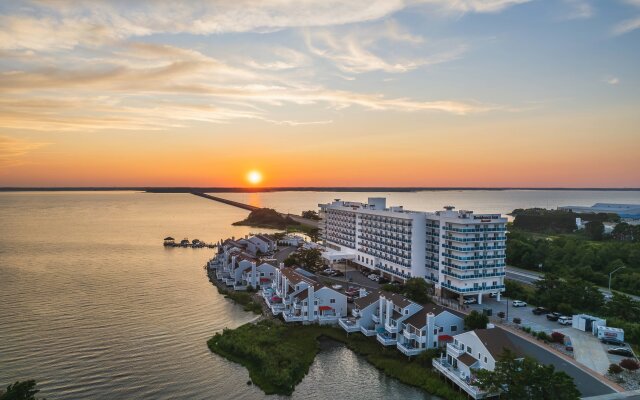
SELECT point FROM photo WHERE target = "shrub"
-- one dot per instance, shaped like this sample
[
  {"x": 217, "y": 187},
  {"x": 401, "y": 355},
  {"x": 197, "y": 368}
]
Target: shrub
[
  {"x": 557, "y": 337},
  {"x": 517, "y": 320},
  {"x": 615, "y": 369},
  {"x": 526, "y": 329},
  {"x": 543, "y": 336},
  {"x": 630, "y": 364}
]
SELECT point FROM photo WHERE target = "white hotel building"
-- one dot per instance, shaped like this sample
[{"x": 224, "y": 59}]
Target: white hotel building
[{"x": 462, "y": 253}]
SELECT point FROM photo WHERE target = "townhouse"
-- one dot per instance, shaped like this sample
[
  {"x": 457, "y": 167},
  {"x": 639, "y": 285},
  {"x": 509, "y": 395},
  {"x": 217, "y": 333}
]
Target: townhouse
[
  {"x": 301, "y": 299},
  {"x": 460, "y": 252},
  {"x": 471, "y": 351},
  {"x": 237, "y": 268},
  {"x": 431, "y": 327},
  {"x": 398, "y": 321}
]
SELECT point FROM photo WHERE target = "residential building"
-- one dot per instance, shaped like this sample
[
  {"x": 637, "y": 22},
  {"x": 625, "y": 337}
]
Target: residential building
[
  {"x": 471, "y": 351},
  {"x": 461, "y": 253},
  {"x": 301, "y": 299},
  {"x": 395, "y": 320},
  {"x": 393, "y": 309},
  {"x": 431, "y": 327}
]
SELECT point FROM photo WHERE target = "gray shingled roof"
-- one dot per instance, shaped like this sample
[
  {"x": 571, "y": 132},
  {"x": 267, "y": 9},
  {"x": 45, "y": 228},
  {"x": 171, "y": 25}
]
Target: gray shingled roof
[{"x": 496, "y": 341}]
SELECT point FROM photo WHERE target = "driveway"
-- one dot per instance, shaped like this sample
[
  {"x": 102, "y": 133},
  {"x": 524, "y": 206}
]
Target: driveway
[{"x": 587, "y": 350}]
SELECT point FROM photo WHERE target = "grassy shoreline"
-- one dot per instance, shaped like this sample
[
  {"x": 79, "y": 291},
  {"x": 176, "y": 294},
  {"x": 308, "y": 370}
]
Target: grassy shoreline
[
  {"x": 244, "y": 299},
  {"x": 278, "y": 356}
]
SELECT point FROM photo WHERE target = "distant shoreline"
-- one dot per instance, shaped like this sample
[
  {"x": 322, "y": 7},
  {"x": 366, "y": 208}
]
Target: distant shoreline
[{"x": 292, "y": 189}]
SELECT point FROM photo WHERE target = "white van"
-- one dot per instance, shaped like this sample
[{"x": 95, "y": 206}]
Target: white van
[{"x": 564, "y": 320}]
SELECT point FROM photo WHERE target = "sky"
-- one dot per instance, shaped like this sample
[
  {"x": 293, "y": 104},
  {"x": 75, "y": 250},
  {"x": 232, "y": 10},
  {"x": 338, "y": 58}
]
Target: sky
[{"x": 431, "y": 93}]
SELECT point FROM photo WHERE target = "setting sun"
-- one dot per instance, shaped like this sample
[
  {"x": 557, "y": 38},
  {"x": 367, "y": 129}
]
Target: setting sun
[{"x": 254, "y": 177}]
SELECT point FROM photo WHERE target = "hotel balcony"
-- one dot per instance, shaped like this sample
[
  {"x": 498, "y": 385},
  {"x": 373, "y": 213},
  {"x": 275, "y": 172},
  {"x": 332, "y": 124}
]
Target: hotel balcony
[
  {"x": 386, "y": 340},
  {"x": 409, "y": 350},
  {"x": 464, "y": 382}
]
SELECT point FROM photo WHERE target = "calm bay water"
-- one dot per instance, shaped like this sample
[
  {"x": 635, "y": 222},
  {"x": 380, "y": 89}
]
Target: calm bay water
[
  {"x": 93, "y": 307},
  {"x": 481, "y": 201}
]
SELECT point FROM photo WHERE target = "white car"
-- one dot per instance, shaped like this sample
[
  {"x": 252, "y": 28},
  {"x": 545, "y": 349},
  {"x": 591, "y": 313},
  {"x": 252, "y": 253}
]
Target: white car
[
  {"x": 336, "y": 287},
  {"x": 470, "y": 300},
  {"x": 564, "y": 320},
  {"x": 519, "y": 303}
]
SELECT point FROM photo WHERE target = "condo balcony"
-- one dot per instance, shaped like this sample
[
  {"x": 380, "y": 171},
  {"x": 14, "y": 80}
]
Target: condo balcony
[
  {"x": 455, "y": 350},
  {"x": 409, "y": 350},
  {"x": 368, "y": 330},
  {"x": 349, "y": 324},
  {"x": 375, "y": 317},
  {"x": 391, "y": 328},
  {"x": 459, "y": 378},
  {"x": 386, "y": 339},
  {"x": 289, "y": 317}
]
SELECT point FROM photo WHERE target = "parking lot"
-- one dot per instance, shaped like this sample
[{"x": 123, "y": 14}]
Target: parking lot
[{"x": 538, "y": 323}]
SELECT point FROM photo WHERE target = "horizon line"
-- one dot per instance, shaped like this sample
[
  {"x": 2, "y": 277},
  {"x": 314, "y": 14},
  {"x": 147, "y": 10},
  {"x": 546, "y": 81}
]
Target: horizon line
[{"x": 221, "y": 189}]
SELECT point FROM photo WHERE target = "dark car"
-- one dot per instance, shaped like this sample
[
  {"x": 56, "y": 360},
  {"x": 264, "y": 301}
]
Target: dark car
[
  {"x": 540, "y": 311},
  {"x": 382, "y": 281},
  {"x": 553, "y": 316},
  {"x": 621, "y": 351},
  {"x": 612, "y": 341}
]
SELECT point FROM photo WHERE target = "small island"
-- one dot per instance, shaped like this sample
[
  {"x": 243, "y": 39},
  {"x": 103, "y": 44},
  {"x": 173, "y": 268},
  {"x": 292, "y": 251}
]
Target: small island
[{"x": 267, "y": 218}]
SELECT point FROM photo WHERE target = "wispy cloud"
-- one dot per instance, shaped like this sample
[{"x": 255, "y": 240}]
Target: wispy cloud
[
  {"x": 579, "y": 9},
  {"x": 357, "y": 50},
  {"x": 630, "y": 24},
  {"x": 611, "y": 80},
  {"x": 627, "y": 26},
  {"x": 12, "y": 150},
  {"x": 64, "y": 24}
]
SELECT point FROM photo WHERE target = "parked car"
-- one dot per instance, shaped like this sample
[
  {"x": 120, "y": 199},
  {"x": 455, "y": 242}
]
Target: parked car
[
  {"x": 383, "y": 280},
  {"x": 568, "y": 348},
  {"x": 336, "y": 287},
  {"x": 519, "y": 303},
  {"x": 470, "y": 300},
  {"x": 621, "y": 351},
  {"x": 540, "y": 311},
  {"x": 612, "y": 341},
  {"x": 553, "y": 316},
  {"x": 564, "y": 320},
  {"x": 493, "y": 295}
]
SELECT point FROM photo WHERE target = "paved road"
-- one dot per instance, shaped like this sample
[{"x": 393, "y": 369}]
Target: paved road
[
  {"x": 530, "y": 277},
  {"x": 586, "y": 384}
]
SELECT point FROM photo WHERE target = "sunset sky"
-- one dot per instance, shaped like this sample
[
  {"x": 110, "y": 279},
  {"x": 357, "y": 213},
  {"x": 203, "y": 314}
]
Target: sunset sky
[{"x": 320, "y": 93}]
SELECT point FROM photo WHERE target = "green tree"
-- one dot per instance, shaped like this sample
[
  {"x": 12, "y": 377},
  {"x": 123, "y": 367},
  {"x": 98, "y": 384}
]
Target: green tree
[
  {"x": 475, "y": 320},
  {"x": 314, "y": 234},
  {"x": 524, "y": 379},
  {"x": 310, "y": 215},
  {"x": 21, "y": 390},
  {"x": 594, "y": 230},
  {"x": 416, "y": 289},
  {"x": 623, "y": 306}
]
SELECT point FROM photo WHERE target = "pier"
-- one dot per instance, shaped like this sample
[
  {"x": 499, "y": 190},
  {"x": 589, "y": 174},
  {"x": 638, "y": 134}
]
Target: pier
[{"x": 248, "y": 207}]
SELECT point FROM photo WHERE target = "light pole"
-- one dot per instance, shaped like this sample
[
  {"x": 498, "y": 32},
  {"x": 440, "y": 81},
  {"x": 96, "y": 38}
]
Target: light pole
[{"x": 610, "y": 274}]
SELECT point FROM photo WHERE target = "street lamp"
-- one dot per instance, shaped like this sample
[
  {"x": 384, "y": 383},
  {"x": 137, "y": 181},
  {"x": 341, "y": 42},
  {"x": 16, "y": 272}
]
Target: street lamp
[{"x": 610, "y": 274}]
